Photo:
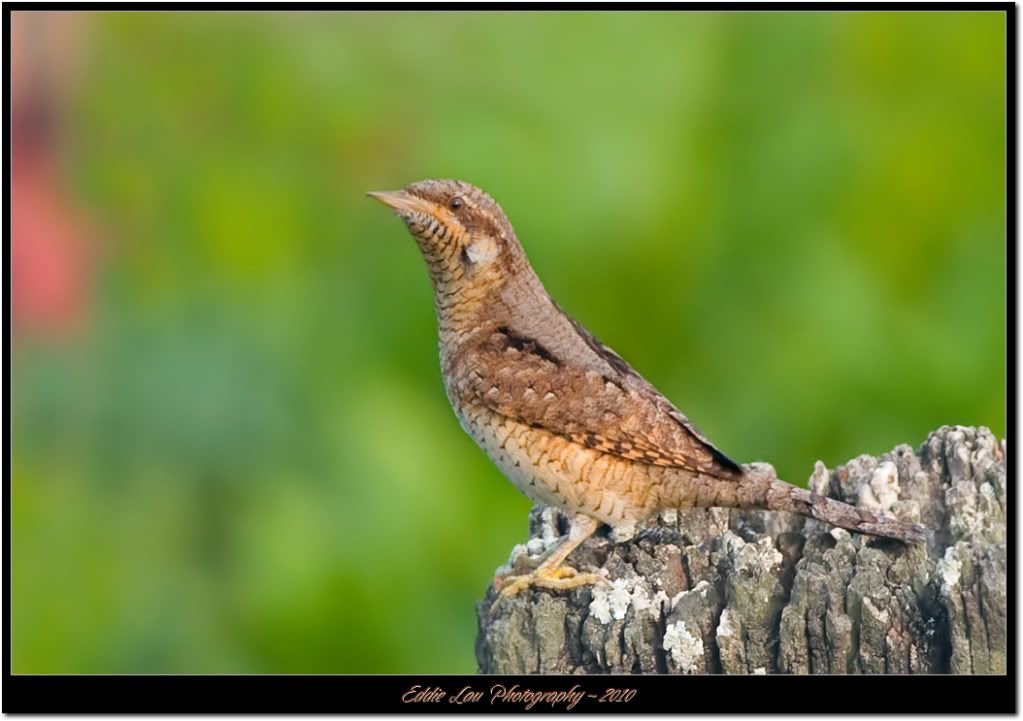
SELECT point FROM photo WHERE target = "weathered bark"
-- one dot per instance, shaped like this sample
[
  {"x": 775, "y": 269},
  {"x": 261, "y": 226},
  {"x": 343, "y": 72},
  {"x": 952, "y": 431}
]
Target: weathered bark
[{"x": 725, "y": 591}]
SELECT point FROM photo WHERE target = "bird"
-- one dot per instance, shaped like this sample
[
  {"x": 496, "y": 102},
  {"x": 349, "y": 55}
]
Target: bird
[{"x": 565, "y": 418}]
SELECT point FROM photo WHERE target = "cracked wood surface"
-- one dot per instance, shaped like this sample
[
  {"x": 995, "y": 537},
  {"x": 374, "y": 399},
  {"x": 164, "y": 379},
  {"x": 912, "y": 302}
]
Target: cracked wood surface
[{"x": 754, "y": 592}]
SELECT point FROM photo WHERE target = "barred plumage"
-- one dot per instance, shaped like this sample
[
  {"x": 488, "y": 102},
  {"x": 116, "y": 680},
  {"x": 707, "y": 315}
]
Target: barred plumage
[{"x": 564, "y": 416}]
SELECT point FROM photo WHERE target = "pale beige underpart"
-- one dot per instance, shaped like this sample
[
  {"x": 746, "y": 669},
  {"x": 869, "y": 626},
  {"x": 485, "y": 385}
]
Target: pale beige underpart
[{"x": 553, "y": 470}]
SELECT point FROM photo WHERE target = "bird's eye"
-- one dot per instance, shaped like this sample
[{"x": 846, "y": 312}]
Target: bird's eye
[{"x": 455, "y": 203}]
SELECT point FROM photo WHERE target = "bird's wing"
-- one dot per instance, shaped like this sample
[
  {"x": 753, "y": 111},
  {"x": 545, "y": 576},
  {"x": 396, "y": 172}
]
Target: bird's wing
[{"x": 520, "y": 379}]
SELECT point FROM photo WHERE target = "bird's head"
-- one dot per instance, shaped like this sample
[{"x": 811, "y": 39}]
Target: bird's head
[{"x": 462, "y": 232}]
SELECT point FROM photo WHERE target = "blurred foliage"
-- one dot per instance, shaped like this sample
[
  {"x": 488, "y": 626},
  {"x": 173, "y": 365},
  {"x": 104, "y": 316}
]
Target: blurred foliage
[{"x": 793, "y": 224}]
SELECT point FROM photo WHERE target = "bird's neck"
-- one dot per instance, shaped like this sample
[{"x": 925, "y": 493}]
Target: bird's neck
[
  {"x": 465, "y": 305},
  {"x": 472, "y": 300}
]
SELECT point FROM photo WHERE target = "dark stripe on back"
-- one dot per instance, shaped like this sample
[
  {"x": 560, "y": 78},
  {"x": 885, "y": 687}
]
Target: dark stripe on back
[
  {"x": 606, "y": 354},
  {"x": 526, "y": 345}
]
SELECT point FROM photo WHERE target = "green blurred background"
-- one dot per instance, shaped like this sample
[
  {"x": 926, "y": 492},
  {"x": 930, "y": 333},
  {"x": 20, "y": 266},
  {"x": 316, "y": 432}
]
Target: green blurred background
[{"x": 231, "y": 449}]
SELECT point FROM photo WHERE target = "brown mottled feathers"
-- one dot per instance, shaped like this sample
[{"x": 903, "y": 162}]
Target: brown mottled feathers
[
  {"x": 562, "y": 415},
  {"x": 615, "y": 411}
]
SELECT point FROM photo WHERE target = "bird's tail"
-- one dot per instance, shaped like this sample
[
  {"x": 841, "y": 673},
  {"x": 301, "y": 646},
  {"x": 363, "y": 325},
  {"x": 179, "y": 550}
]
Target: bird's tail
[{"x": 786, "y": 497}]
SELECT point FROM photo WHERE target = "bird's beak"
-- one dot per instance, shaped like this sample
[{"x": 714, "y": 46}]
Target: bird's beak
[{"x": 401, "y": 201}]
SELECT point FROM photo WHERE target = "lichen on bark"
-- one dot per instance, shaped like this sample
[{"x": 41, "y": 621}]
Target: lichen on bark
[{"x": 755, "y": 592}]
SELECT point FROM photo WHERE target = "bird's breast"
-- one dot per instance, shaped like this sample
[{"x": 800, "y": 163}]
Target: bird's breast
[{"x": 551, "y": 469}]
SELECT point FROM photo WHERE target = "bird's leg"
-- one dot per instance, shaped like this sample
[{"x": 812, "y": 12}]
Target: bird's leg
[{"x": 550, "y": 573}]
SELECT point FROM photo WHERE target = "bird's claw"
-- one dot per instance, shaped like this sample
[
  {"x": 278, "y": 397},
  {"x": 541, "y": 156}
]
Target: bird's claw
[{"x": 560, "y": 579}]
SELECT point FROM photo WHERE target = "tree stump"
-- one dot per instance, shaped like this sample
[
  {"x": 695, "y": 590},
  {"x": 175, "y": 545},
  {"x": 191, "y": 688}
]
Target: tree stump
[{"x": 756, "y": 592}]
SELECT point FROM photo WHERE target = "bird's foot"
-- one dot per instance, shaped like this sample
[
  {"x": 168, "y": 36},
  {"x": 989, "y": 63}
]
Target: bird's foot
[
  {"x": 552, "y": 573},
  {"x": 560, "y": 579}
]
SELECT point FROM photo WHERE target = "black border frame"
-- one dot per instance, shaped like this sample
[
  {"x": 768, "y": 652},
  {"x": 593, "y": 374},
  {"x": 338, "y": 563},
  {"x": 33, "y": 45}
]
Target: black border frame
[{"x": 30, "y": 693}]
